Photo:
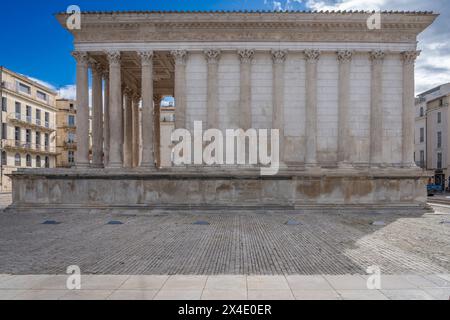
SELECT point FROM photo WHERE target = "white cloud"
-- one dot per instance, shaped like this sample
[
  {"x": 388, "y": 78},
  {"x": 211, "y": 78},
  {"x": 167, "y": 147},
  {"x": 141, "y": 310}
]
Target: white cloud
[
  {"x": 68, "y": 92},
  {"x": 433, "y": 66}
]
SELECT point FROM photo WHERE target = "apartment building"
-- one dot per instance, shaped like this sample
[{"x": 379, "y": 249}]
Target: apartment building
[
  {"x": 28, "y": 131},
  {"x": 65, "y": 133},
  {"x": 431, "y": 133}
]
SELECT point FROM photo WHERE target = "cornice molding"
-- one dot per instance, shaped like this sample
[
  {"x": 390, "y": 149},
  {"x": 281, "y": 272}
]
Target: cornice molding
[{"x": 396, "y": 27}]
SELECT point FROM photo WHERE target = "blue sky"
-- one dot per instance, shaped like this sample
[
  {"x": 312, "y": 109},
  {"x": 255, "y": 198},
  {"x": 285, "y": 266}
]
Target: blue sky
[{"x": 40, "y": 48}]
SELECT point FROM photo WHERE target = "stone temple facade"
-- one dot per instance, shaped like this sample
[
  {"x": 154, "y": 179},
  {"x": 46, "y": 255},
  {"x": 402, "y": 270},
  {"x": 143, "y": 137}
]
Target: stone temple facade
[{"x": 340, "y": 93}]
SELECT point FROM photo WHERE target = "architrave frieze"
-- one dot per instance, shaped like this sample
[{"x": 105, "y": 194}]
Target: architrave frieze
[{"x": 248, "y": 27}]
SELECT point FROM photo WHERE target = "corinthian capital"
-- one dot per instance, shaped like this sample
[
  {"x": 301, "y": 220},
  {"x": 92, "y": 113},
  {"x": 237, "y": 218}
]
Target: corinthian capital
[
  {"x": 146, "y": 56},
  {"x": 179, "y": 56},
  {"x": 344, "y": 55},
  {"x": 410, "y": 57},
  {"x": 81, "y": 57},
  {"x": 212, "y": 55},
  {"x": 312, "y": 56},
  {"x": 246, "y": 55},
  {"x": 96, "y": 67},
  {"x": 377, "y": 55},
  {"x": 279, "y": 56},
  {"x": 113, "y": 57}
]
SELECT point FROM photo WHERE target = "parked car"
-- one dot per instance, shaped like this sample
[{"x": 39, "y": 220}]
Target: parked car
[{"x": 432, "y": 189}]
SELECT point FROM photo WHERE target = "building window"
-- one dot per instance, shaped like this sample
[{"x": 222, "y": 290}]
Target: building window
[
  {"x": 38, "y": 140},
  {"x": 47, "y": 119},
  {"x": 28, "y": 138},
  {"x": 71, "y": 120},
  {"x": 441, "y": 102},
  {"x": 28, "y": 158},
  {"x": 439, "y": 117},
  {"x": 38, "y": 161},
  {"x": 17, "y": 137},
  {"x": 71, "y": 157},
  {"x": 4, "y": 104},
  {"x": 439, "y": 139},
  {"x": 46, "y": 141},
  {"x": 439, "y": 160},
  {"x": 38, "y": 117},
  {"x": 4, "y": 158},
  {"x": 41, "y": 95},
  {"x": 47, "y": 162},
  {"x": 17, "y": 160},
  {"x": 422, "y": 158},
  {"x": 421, "y": 111},
  {"x": 18, "y": 110},
  {"x": 23, "y": 88},
  {"x": 422, "y": 135},
  {"x": 71, "y": 137},
  {"x": 28, "y": 114},
  {"x": 4, "y": 131}
]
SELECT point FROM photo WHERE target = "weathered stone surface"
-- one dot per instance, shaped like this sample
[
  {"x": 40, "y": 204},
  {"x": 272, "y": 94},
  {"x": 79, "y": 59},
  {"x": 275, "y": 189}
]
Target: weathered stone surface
[{"x": 314, "y": 188}]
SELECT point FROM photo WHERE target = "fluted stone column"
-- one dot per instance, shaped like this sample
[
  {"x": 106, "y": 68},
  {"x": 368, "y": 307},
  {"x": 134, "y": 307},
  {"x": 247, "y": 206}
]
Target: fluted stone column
[
  {"x": 312, "y": 58},
  {"x": 82, "y": 131},
  {"x": 97, "y": 115},
  {"x": 136, "y": 130},
  {"x": 278, "y": 57},
  {"x": 106, "y": 117},
  {"x": 157, "y": 132},
  {"x": 148, "y": 159},
  {"x": 409, "y": 59},
  {"x": 344, "y": 145},
  {"x": 115, "y": 111},
  {"x": 180, "y": 57},
  {"x": 376, "y": 108},
  {"x": 128, "y": 129},
  {"x": 245, "y": 99},
  {"x": 212, "y": 101}
]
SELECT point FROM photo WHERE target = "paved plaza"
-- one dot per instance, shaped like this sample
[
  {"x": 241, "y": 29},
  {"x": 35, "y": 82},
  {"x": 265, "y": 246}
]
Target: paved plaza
[
  {"x": 239, "y": 243},
  {"x": 185, "y": 255}
]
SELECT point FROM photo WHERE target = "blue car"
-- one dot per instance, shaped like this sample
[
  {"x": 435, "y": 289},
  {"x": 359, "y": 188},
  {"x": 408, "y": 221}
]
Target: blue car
[{"x": 432, "y": 189}]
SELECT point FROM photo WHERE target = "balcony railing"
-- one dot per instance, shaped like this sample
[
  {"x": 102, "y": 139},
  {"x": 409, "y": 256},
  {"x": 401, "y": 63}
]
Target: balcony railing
[
  {"x": 29, "y": 121},
  {"x": 17, "y": 145},
  {"x": 70, "y": 144}
]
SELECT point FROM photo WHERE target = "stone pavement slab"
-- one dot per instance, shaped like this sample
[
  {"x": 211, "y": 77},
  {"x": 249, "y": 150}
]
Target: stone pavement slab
[
  {"x": 185, "y": 283},
  {"x": 133, "y": 295},
  {"x": 407, "y": 294},
  {"x": 224, "y": 287},
  {"x": 267, "y": 283},
  {"x": 316, "y": 295},
  {"x": 167, "y": 294},
  {"x": 347, "y": 282},
  {"x": 144, "y": 283},
  {"x": 362, "y": 295},
  {"x": 301, "y": 282},
  {"x": 227, "y": 294},
  {"x": 270, "y": 295}
]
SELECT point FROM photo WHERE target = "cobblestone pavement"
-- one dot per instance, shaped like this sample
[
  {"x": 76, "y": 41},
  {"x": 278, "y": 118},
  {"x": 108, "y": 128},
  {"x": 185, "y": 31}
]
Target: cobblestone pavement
[{"x": 239, "y": 243}]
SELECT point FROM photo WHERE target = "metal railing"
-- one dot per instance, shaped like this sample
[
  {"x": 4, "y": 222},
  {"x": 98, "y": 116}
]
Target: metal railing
[
  {"x": 28, "y": 146},
  {"x": 29, "y": 120},
  {"x": 70, "y": 144}
]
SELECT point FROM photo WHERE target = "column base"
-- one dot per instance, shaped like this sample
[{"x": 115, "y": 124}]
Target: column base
[
  {"x": 345, "y": 165},
  {"x": 147, "y": 165},
  {"x": 114, "y": 165}
]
